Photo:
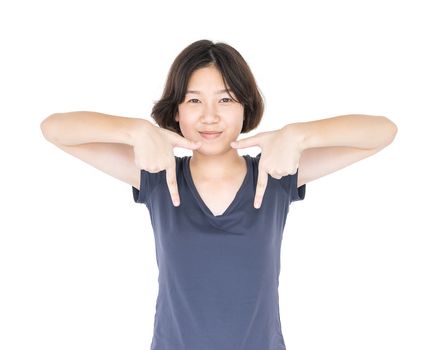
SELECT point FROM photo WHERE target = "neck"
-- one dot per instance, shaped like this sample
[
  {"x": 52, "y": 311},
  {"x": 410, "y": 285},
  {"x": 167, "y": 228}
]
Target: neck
[{"x": 216, "y": 166}]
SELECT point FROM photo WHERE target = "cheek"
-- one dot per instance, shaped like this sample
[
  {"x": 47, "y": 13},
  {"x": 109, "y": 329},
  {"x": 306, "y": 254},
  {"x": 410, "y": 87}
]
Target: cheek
[{"x": 187, "y": 128}]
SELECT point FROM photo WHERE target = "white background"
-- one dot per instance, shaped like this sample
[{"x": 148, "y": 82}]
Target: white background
[{"x": 77, "y": 259}]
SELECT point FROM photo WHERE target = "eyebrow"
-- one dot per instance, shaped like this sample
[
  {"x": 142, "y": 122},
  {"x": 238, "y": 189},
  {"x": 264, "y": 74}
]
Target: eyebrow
[{"x": 216, "y": 92}]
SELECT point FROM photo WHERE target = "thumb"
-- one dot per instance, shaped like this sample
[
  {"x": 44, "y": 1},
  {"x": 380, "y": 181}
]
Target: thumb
[{"x": 247, "y": 142}]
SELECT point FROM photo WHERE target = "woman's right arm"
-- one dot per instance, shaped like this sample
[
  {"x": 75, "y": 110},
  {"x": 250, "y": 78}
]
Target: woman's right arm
[
  {"x": 101, "y": 140},
  {"x": 75, "y": 128},
  {"x": 118, "y": 146}
]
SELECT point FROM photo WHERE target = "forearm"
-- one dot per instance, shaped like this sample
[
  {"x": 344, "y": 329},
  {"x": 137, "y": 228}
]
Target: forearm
[
  {"x": 74, "y": 128},
  {"x": 353, "y": 130}
]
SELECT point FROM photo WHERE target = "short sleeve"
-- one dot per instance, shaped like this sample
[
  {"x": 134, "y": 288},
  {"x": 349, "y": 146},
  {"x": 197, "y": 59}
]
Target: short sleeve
[
  {"x": 290, "y": 185},
  {"x": 148, "y": 182}
]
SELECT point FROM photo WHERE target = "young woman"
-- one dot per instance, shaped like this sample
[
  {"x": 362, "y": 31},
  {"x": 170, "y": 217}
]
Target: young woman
[{"x": 218, "y": 217}]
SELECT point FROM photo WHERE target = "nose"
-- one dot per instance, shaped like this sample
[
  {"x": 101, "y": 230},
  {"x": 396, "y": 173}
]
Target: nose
[{"x": 210, "y": 113}]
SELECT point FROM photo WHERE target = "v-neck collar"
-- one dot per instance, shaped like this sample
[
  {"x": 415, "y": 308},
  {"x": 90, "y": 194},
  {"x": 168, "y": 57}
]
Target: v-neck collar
[{"x": 200, "y": 201}]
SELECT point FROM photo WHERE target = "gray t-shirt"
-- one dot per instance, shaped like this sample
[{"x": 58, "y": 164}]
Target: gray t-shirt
[{"x": 218, "y": 275}]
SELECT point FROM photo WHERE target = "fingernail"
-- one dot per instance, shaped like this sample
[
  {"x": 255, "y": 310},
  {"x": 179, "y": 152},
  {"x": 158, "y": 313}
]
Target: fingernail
[
  {"x": 176, "y": 202},
  {"x": 257, "y": 204}
]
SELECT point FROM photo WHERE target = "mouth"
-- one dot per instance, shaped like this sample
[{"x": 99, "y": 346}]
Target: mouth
[{"x": 210, "y": 135}]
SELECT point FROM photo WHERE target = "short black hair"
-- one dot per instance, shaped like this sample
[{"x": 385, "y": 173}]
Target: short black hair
[{"x": 234, "y": 70}]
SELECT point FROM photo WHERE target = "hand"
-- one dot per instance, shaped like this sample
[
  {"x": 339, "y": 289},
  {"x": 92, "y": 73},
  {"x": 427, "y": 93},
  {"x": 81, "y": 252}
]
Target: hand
[
  {"x": 153, "y": 149},
  {"x": 281, "y": 151}
]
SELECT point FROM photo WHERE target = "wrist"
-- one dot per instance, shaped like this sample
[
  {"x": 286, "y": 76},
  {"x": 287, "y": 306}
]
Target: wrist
[
  {"x": 297, "y": 131},
  {"x": 138, "y": 129}
]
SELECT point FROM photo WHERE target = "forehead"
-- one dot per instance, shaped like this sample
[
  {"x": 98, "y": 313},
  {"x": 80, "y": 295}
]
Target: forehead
[
  {"x": 207, "y": 79},
  {"x": 206, "y": 75}
]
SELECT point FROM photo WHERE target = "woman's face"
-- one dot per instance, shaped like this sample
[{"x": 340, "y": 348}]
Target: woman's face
[{"x": 207, "y": 107}]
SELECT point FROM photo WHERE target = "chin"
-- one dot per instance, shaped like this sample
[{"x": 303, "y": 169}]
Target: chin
[{"x": 212, "y": 150}]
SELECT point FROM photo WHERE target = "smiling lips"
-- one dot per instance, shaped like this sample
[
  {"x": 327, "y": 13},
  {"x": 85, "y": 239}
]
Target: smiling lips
[{"x": 208, "y": 135}]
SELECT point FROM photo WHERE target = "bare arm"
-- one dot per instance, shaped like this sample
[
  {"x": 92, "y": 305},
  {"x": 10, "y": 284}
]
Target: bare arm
[
  {"x": 101, "y": 140},
  {"x": 74, "y": 128},
  {"x": 118, "y": 146}
]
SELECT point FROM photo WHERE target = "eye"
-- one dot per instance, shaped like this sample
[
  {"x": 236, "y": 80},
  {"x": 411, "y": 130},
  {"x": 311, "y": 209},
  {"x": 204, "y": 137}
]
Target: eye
[{"x": 224, "y": 98}]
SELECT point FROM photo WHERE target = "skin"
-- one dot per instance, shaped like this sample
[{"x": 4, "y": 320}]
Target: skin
[{"x": 215, "y": 159}]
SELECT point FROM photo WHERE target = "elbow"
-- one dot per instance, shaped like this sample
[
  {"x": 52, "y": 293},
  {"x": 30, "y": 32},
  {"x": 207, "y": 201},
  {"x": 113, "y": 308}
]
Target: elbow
[
  {"x": 47, "y": 127},
  {"x": 392, "y": 126},
  {"x": 44, "y": 127},
  {"x": 392, "y": 130}
]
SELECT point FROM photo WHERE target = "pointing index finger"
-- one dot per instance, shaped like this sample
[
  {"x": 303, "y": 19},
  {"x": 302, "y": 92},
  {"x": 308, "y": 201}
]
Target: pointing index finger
[
  {"x": 262, "y": 182},
  {"x": 170, "y": 174}
]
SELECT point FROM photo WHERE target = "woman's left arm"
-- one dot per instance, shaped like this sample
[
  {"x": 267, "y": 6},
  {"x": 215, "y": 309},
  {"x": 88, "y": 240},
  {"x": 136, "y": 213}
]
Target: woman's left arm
[
  {"x": 317, "y": 148},
  {"x": 352, "y": 130},
  {"x": 328, "y": 145}
]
